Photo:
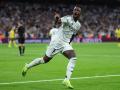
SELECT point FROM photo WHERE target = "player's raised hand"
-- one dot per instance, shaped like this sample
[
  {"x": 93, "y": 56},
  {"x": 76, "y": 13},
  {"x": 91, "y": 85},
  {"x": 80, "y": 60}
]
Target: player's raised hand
[{"x": 57, "y": 18}]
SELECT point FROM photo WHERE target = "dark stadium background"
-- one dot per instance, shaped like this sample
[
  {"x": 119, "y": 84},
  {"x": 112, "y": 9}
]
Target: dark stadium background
[
  {"x": 107, "y": 6},
  {"x": 95, "y": 2}
]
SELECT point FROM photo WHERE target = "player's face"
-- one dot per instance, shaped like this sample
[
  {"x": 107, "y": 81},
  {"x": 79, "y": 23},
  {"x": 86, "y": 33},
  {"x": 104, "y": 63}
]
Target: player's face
[{"x": 76, "y": 12}]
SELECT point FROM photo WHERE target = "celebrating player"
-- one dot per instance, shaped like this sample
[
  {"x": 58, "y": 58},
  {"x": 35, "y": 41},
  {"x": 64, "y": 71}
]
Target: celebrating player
[
  {"x": 69, "y": 27},
  {"x": 56, "y": 24}
]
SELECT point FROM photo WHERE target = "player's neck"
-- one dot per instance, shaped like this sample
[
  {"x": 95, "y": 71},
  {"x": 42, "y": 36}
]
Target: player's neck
[{"x": 75, "y": 19}]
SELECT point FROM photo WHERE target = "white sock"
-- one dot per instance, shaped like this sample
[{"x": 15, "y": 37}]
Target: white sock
[
  {"x": 35, "y": 62},
  {"x": 70, "y": 68}
]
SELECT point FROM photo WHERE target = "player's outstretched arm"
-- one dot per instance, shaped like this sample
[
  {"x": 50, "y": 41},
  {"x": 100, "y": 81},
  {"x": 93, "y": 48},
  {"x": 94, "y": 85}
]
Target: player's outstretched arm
[{"x": 57, "y": 19}]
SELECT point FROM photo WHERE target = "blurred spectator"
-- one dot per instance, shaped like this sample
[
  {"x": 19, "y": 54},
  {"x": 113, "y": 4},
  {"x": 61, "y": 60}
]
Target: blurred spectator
[{"x": 97, "y": 21}]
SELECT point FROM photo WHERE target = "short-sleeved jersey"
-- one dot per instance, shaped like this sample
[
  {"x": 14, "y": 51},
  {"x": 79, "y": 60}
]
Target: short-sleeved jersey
[
  {"x": 117, "y": 32},
  {"x": 68, "y": 28},
  {"x": 12, "y": 33},
  {"x": 62, "y": 37},
  {"x": 21, "y": 32},
  {"x": 53, "y": 33}
]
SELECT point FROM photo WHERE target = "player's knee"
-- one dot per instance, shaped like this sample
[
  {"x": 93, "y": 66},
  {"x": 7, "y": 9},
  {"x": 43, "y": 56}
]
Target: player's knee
[
  {"x": 69, "y": 54},
  {"x": 46, "y": 59},
  {"x": 73, "y": 58}
]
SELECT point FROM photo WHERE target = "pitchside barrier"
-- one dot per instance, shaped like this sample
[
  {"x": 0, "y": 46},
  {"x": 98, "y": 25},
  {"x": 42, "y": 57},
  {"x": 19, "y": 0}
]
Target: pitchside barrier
[{"x": 78, "y": 40}]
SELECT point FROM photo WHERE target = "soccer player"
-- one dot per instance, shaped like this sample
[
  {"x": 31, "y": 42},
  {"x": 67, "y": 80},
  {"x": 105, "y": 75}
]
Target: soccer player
[
  {"x": 21, "y": 38},
  {"x": 69, "y": 26},
  {"x": 117, "y": 34},
  {"x": 56, "y": 24},
  {"x": 12, "y": 37}
]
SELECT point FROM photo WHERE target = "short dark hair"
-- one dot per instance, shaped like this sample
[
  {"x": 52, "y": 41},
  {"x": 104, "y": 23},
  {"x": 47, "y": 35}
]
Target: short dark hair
[{"x": 77, "y": 7}]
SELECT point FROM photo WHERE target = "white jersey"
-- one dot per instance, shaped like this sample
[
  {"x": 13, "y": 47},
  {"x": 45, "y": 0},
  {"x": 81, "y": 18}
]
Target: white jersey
[
  {"x": 68, "y": 28},
  {"x": 53, "y": 33},
  {"x": 61, "y": 37}
]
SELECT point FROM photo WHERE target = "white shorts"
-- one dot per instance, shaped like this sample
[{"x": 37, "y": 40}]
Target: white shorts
[{"x": 56, "y": 47}]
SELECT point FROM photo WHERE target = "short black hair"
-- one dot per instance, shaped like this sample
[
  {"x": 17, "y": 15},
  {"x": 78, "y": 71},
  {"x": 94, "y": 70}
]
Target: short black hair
[{"x": 77, "y": 7}]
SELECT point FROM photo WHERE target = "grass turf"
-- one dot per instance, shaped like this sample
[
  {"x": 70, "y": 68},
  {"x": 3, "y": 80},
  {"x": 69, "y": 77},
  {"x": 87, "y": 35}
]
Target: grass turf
[{"x": 93, "y": 59}]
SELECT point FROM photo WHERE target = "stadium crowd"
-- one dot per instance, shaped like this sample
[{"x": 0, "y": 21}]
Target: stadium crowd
[{"x": 97, "y": 21}]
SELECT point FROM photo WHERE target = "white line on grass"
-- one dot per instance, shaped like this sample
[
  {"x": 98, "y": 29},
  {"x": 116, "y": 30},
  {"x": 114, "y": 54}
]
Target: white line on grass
[{"x": 51, "y": 80}]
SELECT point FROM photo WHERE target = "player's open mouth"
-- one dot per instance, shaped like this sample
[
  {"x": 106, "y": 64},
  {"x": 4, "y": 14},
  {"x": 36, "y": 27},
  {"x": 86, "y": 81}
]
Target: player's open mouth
[{"x": 76, "y": 14}]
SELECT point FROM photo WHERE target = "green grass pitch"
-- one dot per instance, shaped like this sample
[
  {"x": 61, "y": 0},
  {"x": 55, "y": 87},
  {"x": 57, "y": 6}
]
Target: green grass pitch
[{"x": 99, "y": 59}]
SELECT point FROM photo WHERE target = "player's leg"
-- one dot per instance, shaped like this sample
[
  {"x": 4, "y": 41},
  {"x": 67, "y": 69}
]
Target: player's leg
[
  {"x": 38, "y": 61},
  {"x": 35, "y": 62},
  {"x": 23, "y": 49},
  {"x": 20, "y": 49},
  {"x": 70, "y": 54},
  {"x": 119, "y": 42},
  {"x": 23, "y": 46},
  {"x": 48, "y": 56},
  {"x": 9, "y": 43},
  {"x": 14, "y": 42}
]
